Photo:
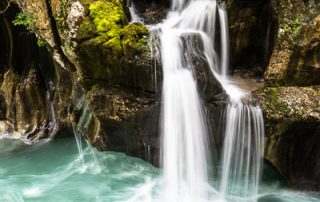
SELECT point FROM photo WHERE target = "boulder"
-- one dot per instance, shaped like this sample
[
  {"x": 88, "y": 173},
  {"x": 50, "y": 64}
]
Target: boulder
[{"x": 292, "y": 119}]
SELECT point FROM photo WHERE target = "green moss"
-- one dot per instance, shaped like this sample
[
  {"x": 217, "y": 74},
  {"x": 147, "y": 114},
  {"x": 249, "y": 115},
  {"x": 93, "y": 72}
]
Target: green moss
[
  {"x": 134, "y": 39},
  {"x": 107, "y": 16},
  {"x": 86, "y": 30},
  {"x": 104, "y": 25},
  {"x": 105, "y": 33},
  {"x": 114, "y": 45}
]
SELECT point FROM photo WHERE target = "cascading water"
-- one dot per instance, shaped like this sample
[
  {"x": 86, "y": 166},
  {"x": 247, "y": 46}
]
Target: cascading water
[
  {"x": 185, "y": 149},
  {"x": 244, "y": 135},
  {"x": 242, "y": 153},
  {"x": 133, "y": 12},
  {"x": 184, "y": 132}
]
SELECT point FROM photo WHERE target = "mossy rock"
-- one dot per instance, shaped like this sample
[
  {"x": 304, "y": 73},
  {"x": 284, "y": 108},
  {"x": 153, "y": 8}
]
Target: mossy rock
[
  {"x": 86, "y": 30},
  {"x": 134, "y": 39},
  {"x": 107, "y": 16}
]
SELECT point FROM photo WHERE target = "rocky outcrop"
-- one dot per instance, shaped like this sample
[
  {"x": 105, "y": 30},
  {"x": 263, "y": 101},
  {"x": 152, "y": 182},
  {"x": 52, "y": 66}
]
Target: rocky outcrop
[
  {"x": 295, "y": 59},
  {"x": 26, "y": 79},
  {"x": 282, "y": 38},
  {"x": 290, "y": 98},
  {"x": 292, "y": 117},
  {"x": 100, "y": 68}
]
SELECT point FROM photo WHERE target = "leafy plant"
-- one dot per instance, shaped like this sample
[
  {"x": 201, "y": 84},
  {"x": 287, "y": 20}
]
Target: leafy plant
[
  {"x": 40, "y": 42},
  {"x": 28, "y": 21},
  {"x": 296, "y": 27},
  {"x": 24, "y": 19}
]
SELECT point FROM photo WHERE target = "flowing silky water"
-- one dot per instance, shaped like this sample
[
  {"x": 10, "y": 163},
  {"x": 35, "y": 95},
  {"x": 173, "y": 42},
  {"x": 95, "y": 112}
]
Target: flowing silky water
[{"x": 184, "y": 130}]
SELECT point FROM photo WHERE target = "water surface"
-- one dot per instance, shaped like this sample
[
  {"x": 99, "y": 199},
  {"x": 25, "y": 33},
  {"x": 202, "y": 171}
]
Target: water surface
[{"x": 55, "y": 172}]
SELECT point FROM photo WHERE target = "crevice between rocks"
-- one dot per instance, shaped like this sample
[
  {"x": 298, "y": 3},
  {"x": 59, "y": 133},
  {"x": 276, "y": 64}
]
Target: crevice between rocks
[{"x": 57, "y": 39}]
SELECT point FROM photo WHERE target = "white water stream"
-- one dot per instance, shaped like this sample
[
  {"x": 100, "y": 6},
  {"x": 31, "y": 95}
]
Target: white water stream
[
  {"x": 133, "y": 12},
  {"x": 186, "y": 154}
]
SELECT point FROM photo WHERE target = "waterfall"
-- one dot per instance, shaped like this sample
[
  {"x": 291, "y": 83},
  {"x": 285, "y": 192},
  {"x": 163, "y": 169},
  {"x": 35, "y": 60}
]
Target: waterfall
[
  {"x": 244, "y": 134},
  {"x": 184, "y": 131},
  {"x": 185, "y": 151},
  {"x": 242, "y": 153},
  {"x": 133, "y": 12}
]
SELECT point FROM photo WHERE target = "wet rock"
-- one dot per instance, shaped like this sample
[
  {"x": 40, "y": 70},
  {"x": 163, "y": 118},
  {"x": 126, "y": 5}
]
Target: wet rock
[{"x": 121, "y": 120}]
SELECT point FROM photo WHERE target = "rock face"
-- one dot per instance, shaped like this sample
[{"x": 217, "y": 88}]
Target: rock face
[
  {"x": 252, "y": 26},
  {"x": 26, "y": 75},
  {"x": 292, "y": 117},
  {"x": 295, "y": 59},
  {"x": 99, "y": 80},
  {"x": 291, "y": 99}
]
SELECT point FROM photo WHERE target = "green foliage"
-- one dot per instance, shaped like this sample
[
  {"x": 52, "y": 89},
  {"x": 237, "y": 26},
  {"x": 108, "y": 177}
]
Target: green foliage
[
  {"x": 296, "y": 29},
  {"x": 24, "y": 19},
  {"x": 293, "y": 28},
  {"x": 40, "y": 42},
  {"x": 134, "y": 38},
  {"x": 28, "y": 21}
]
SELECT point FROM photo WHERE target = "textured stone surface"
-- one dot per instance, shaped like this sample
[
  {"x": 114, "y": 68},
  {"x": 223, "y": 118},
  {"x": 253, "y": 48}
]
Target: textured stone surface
[
  {"x": 292, "y": 118},
  {"x": 295, "y": 58},
  {"x": 252, "y": 24}
]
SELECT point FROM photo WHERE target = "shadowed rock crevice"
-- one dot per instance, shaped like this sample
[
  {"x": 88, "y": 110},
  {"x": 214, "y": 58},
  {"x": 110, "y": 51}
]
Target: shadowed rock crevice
[
  {"x": 252, "y": 26},
  {"x": 27, "y": 76},
  {"x": 298, "y": 154}
]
